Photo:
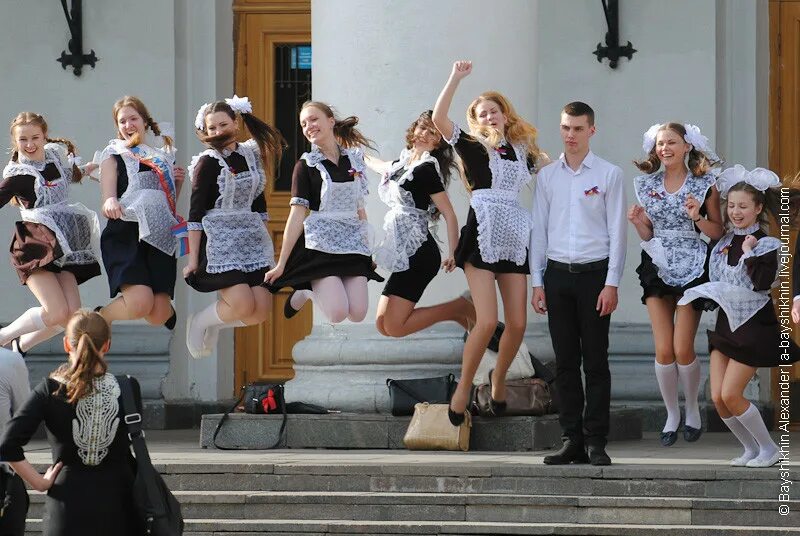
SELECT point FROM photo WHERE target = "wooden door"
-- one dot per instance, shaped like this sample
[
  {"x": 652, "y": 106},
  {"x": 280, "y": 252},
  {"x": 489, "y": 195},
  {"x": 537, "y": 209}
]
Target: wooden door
[
  {"x": 784, "y": 147},
  {"x": 273, "y": 68}
]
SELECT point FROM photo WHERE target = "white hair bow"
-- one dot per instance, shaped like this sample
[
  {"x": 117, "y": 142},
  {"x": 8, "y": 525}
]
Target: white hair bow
[
  {"x": 649, "y": 138},
  {"x": 759, "y": 178},
  {"x": 200, "y": 118},
  {"x": 700, "y": 142},
  {"x": 240, "y": 104}
]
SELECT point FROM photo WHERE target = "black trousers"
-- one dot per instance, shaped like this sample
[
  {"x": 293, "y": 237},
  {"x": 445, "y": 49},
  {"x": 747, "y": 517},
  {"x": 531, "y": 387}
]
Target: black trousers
[
  {"x": 580, "y": 336},
  {"x": 13, "y": 521}
]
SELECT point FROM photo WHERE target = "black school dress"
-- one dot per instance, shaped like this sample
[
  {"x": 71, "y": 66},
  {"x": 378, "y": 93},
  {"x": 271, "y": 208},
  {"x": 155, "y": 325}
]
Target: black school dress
[
  {"x": 740, "y": 285},
  {"x": 409, "y": 249},
  {"x": 93, "y": 493},
  {"x": 127, "y": 259},
  {"x": 328, "y": 246},
  {"x": 235, "y": 219},
  {"x": 496, "y": 176}
]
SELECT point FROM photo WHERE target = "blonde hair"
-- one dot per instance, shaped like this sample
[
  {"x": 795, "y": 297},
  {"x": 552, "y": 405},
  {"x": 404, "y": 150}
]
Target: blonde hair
[
  {"x": 32, "y": 118},
  {"x": 517, "y": 130},
  {"x": 137, "y": 104},
  {"x": 87, "y": 333}
]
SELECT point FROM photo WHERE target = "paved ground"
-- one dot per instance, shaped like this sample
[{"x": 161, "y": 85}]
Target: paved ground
[{"x": 182, "y": 446}]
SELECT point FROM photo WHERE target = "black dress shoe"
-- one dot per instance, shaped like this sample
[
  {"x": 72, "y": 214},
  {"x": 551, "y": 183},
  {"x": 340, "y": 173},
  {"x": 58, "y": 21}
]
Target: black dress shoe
[
  {"x": 497, "y": 407},
  {"x": 597, "y": 455},
  {"x": 691, "y": 434},
  {"x": 171, "y": 321},
  {"x": 456, "y": 419},
  {"x": 494, "y": 342},
  {"x": 288, "y": 310},
  {"x": 668, "y": 438},
  {"x": 570, "y": 453}
]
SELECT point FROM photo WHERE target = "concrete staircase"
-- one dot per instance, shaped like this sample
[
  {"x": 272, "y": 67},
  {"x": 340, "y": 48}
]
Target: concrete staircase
[{"x": 430, "y": 495}]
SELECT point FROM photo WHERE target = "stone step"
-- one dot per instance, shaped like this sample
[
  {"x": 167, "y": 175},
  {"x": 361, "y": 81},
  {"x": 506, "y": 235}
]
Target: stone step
[
  {"x": 371, "y": 431},
  {"x": 692, "y": 481},
  {"x": 479, "y": 508},
  {"x": 273, "y": 527}
]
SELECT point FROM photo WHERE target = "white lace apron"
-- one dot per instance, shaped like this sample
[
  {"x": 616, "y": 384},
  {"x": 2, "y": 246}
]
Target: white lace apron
[
  {"x": 236, "y": 237},
  {"x": 504, "y": 227},
  {"x": 96, "y": 420},
  {"x": 336, "y": 227},
  {"x": 676, "y": 247},
  {"x": 730, "y": 286},
  {"x": 144, "y": 202},
  {"x": 405, "y": 226},
  {"x": 76, "y": 228}
]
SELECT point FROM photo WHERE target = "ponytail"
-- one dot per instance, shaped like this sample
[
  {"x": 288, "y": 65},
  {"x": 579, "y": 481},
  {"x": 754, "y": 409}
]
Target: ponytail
[
  {"x": 87, "y": 333},
  {"x": 270, "y": 141},
  {"x": 77, "y": 174},
  {"x": 347, "y": 135}
]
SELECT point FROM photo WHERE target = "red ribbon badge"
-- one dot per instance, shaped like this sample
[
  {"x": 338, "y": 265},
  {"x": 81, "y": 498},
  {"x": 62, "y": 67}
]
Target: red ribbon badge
[
  {"x": 594, "y": 190},
  {"x": 269, "y": 403}
]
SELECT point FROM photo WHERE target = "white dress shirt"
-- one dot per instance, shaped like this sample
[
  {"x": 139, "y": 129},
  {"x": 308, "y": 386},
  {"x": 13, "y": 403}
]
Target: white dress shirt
[{"x": 579, "y": 217}]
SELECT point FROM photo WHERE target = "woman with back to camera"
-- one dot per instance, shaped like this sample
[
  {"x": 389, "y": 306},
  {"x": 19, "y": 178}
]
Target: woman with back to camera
[{"x": 90, "y": 484}]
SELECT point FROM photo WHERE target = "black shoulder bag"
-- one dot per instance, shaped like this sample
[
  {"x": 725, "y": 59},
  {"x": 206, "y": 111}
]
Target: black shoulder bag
[
  {"x": 258, "y": 399},
  {"x": 155, "y": 504}
]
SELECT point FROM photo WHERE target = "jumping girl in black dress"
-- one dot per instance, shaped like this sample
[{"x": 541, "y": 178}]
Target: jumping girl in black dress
[
  {"x": 327, "y": 256},
  {"x": 414, "y": 188},
  {"x": 230, "y": 246},
  {"x": 54, "y": 248}
]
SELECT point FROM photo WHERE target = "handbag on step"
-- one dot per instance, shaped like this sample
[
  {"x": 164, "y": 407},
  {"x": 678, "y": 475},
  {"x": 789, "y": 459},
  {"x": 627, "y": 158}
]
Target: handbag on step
[
  {"x": 526, "y": 396},
  {"x": 430, "y": 429}
]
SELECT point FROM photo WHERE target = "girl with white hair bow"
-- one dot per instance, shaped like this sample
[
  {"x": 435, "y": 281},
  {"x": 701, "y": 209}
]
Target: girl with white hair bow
[
  {"x": 677, "y": 203},
  {"x": 230, "y": 246},
  {"x": 743, "y": 269}
]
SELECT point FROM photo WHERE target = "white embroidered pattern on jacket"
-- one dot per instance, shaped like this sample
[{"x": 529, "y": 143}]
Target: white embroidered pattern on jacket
[
  {"x": 77, "y": 228},
  {"x": 675, "y": 248},
  {"x": 730, "y": 286},
  {"x": 144, "y": 202},
  {"x": 96, "y": 420},
  {"x": 336, "y": 227},
  {"x": 236, "y": 236},
  {"x": 504, "y": 227},
  {"x": 405, "y": 226}
]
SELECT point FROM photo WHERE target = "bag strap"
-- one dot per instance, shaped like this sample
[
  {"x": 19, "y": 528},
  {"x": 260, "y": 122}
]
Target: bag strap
[
  {"x": 144, "y": 465},
  {"x": 226, "y": 415},
  {"x": 410, "y": 392}
]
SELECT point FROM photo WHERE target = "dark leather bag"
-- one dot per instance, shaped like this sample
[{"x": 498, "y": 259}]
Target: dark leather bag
[
  {"x": 405, "y": 394},
  {"x": 257, "y": 399},
  {"x": 526, "y": 396},
  {"x": 156, "y": 506}
]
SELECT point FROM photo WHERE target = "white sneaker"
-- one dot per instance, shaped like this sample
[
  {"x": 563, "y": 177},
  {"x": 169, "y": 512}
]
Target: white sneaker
[{"x": 767, "y": 461}]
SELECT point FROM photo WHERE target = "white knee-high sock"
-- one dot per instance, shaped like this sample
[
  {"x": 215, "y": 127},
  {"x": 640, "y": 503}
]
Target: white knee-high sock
[
  {"x": 690, "y": 381},
  {"x": 745, "y": 438},
  {"x": 197, "y": 328},
  {"x": 29, "y": 340},
  {"x": 30, "y": 320},
  {"x": 212, "y": 333},
  {"x": 752, "y": 421},
  {"x": 667, "y": 376}
]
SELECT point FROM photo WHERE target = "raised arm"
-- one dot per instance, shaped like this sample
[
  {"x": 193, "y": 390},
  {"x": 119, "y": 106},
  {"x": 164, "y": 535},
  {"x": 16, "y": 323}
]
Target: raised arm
[
  {"x": 461, "y": 69},
  {"x": 377, "y": 165}
]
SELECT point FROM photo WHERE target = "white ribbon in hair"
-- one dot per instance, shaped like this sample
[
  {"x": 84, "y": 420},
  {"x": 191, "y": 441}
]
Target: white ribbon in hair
[
  {"x": 167, "y": 129},
  {"x": 649, "y": 138},
  {"x": 700, "y": 142},
  {"x": 759, "y": 178},
  {"x": 200, "y": 118},
  {"x": 74, "y": 160},
  {"x": 240, "y": 104}
]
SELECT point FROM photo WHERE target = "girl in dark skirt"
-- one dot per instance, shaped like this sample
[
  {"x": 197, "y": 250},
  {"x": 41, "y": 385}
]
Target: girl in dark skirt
[
  {"x": 90, "y": 486},
  {"x": 498, "y": 160},
  {"x": 669, "y": 219},
  {"x": 414, "y": 188},
  {"x": 742, "y": 269},
  {"x": 54, "y": 246},
  {"x": 327, "y": 255},
  {"x": 140, "y": 185},
  {"x": 230, "y": 247}
]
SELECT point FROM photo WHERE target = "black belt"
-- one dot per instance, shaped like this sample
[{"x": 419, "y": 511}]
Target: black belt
[{"x": 576, "y": 268}]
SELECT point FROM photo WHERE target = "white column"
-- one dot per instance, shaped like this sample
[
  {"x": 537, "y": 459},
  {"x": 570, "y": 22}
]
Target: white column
[{"x": 386, "y": 61}]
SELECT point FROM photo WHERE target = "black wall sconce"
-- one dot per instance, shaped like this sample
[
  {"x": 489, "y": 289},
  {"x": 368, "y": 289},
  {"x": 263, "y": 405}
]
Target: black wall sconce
[
  {"x": 612, "y": 50},
  {"x": 76, "y": 58}
]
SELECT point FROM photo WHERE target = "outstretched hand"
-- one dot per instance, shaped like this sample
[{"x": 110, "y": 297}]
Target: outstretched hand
[{"x": 461, "y": 69}]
